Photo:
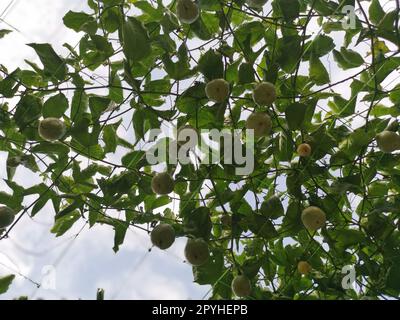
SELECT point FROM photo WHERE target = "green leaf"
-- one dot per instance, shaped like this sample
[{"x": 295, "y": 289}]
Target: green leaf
[
  {"x": 211, "y": 65},
  {"x": 151, "y": 12},
  {"x": 393, "y": 276},
  {"x": 5, "y": 283},
  {"x": 290, "y": 9},
  {"x": 262, "y": 227},
  {"x": 136, "y": 40},
  {"x": 192, "y": 98},
  {"x": 342, "y": 106},
  {"x": 9, "y": 85},
  {"x": 292, "y": 219},
  {"x": 317, "y": 71},
  {"x": 319, "y": 47},
  {"x": 110, "y": 138},
  {"x": 4, "y": 32},
  {"x": 347, "y": 58},
  {"x": 54, "y": 66},
  {"x": 376, "y": 13},
  {"x": 55, "y": 106},
  {"x": 272, "y": 208},
  {"x": 198, "y": 223},
  {"x": 388, "y": 21},
  {"x": 29, "y": 109},
  {"x": 98, "y": 105},
  {"x": 79, "y": 104},
  {"x": 134, "y": 160},
  {"x": 211, "y": 271},
  {"x": 285, "y": 148},
  {"x": 200, "y": 27},
  {"x": 386, "y": 67},
  {"x": 64, "y": 223},
  {"x": 119, "y": 235},
  {"x": 347, "y": 237},
  {"x": 289, "y": 52},
  {"x": 116, "y": 92},
  {"x": 80, "y": 21},
  {"x": 295, "y": 115},
  {"x": 246, "y": 73}
]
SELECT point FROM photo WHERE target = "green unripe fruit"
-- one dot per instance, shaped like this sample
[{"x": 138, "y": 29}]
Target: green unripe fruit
[
  {"x": 260, "y": 122},
  {"x": 51, "y": 129},
  {"x": 241, "y": 286},
  {"x": 217, "y": 90},
  {"x": 196, "y": 252},
  {"x": 162, "y": 183},
  {"x": 163, "y": 236},
  {"x": 264, "y": 94},
  {"x": 7, "y": 216},
  {"x": 187, "y": 11},
  {"x": 313, "y": 218},
  {"x": 388, "y": 141}
]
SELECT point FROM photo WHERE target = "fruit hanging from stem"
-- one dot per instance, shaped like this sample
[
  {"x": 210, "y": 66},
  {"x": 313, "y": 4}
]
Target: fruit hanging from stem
[
  {"x": 187, "y": 11},
  {"x": 313, "y": 218},
  {"x": 303, "y": 267},
  {"x": 241, "y": 286},
  {"x": 264, "y": 94},
  {"x": 260, "y": 122},
  {"x": 162, "y": 183},
  {"x": 304, "y": 150},
  {"x": 51, "y": 129},
  {"x": 163, "y": 236},
  {"x": 388, "y": 141},
  {"x": 217, "y": 90},
  {"x": 196, "y": 252}
]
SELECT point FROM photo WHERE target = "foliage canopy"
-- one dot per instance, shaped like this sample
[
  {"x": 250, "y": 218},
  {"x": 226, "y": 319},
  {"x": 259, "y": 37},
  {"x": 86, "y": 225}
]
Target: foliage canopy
[{"x": 155, "y": 72}]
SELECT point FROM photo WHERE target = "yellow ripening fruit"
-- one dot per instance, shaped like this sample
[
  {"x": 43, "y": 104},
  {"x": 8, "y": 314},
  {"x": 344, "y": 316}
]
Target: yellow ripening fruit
[
  {"x": 313, "y": 218},
  {"x": 162, "y": 183},
  {"x": 256, "y": 3},
  {"x": 7, "y": 216},
  {"x": 304, "y": 150},
  {"x": 388, "y": 141},
  {"x": 217, "y": 90},
  {"x": 260, "y": 122},
  {"x": 163, "y": 236},
  {"x": 51, "y": 129},
  {"x": 187, "y": 11},
  {"x": 264, "y": 94},
  {"x": 241, "y": 286},
  {"x": 304, "y": 267},
  {"x": 196, "y": 252}
]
